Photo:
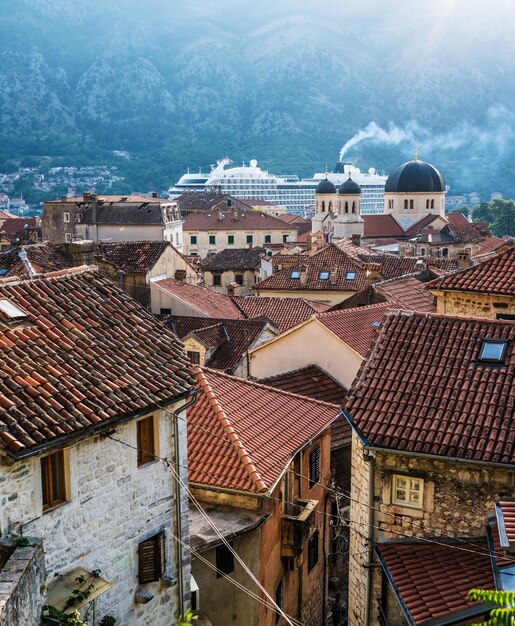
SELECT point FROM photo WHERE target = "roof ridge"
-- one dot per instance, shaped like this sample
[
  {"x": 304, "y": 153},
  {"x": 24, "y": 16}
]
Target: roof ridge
[
  {"x": 398, "y": 278},
  {"x": 269, "y": 388},
  {"x": 244, "y": 456},
  {"x": 80, "y": 269},
  {"x": 375, "y": 305}
]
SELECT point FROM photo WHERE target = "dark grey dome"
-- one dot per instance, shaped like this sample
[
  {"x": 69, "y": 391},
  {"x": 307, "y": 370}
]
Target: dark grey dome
[
  {"x": 325, "y": 186},
  {"x": 414, "y": 176},
  {"x": 349, "y": 188}
]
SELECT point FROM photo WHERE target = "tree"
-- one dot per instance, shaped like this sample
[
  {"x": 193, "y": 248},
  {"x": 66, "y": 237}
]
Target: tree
[
  {"x": 504, "y": 217},
  {"x": 482, "y": 213},
  {"x": 504, "y": 614}
]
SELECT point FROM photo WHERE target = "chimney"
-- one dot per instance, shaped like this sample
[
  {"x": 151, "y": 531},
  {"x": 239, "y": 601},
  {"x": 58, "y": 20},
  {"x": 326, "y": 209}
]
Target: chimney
[
  {"x": 333, "y": 275},
  {"x": 64, "y": 198},
  {"x": 235, "y": 215},
  {"x": 372, "y": 272},
  {"x": 87, "y": 196},
  {"x": 94, "y": 206},
  {"x": 303, "y": 279},
  {"x": 356, "y": 239},
  {"x": 220, "y": 216},
  {"x": 154, "y": 194},
  {"x": 233, "y": 289},
  {"x": 464, "y": 259},
  {"x": 82, "y": 252}
]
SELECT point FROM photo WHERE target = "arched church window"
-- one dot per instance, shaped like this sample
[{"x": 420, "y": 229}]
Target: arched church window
[
  {"x": 346, "y": 207},
  {"x": 427, "y": 204},
  {"x": 432, "y": 204},
  {"x": 354, "y": 207},
  {"x": 406, "y": 204},
  {"x": 411, "y": 204},
  {"x": 323, "y": 206},
  {"x": 330, "y": 209}
]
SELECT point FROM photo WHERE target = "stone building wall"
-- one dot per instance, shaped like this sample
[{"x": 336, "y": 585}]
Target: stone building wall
[
  {"x": 22, "y": 592},
  {"x": 113, "y": 506},
  {"x": 473, "y": 304}
]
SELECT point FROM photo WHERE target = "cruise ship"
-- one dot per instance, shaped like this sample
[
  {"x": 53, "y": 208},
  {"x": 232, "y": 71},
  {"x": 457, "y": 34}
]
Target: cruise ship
[{"x": 251, "y": 182}]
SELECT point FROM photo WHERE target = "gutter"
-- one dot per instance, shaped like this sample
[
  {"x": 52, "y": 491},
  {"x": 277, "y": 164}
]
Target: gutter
[{"x": 371, "y": 523}]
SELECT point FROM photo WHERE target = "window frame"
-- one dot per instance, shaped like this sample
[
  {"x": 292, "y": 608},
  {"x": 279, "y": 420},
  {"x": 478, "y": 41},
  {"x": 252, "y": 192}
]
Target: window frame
[
  {"x": 314, "y": 466},
  {"x": 195, "y": 360},
  {"x": 146, "y": 456},
  {"x": 49, "y": 501},
  {"x": 224, "y": 560},
  {"x": 155, "y": 546},
  {"x": 408, "y": 502},
  {"x": 495, "y": 361},
  {"x": 193, "y": 240},
  {"x": 313, "y": 552},
  {"x": 295, "y": 275},
  {"x": 268, "y": 238},
  {"x": 230, "y": 240},
  {"x": 66, "y": 217},
  {"x": 212, "y": 240},
  {"x": 250, "y": 239},
  {"x": 350, "y": 275},
  {"x": 324, "y": 275},
  {"x": 217, "y": 279},
  {"x": 238, "y": 279}
]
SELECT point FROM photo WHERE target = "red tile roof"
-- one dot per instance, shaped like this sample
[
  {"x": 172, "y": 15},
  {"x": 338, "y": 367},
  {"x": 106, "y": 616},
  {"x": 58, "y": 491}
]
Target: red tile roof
[
  {"x": 325, "y": 259},
  {"x": 433, "y": 580},
  {"x": 384, "y": 226},
  {"x": 87, "y": 354},
  {"x": 356, "y": 327},
  {"x": 133, "y": 256},
  {"x": 43, "y": 257},
  {"x": 422, "y": 389},
  {"x": 420, "y": 225},
  {"x": 282, "y": 312},
  {"x": 206, "y": 301},
  {"x": 393, "y": 266},
  {"x": 465, "y": 231},
  {"x": 263, "y": 428},
  {"x": 247, "y": 220},
  {"x": 495, "y": 275},
  {"x": 309, "y": 381},
  {"x": 490, "y": 245},
  {"x": 13, "y": 225},
  {"x": 407, "y": 293},
  {"x": 505, "y": 510}
]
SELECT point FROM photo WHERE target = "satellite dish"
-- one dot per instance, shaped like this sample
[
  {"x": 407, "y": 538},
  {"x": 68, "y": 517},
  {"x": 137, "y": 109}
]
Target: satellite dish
[
  {"x": 372, "y": 171},
  {"x": 253, "y": 163}
]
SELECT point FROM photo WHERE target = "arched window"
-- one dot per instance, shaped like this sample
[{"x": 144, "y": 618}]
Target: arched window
[
  {"x": 445, "y": 252},
  {"x": 432, "y": 204},
  {"x": 405, "y": 204},
  {"x": 411, "y": 204},
  {"x": 339, "y": 207},
  {"x": 346, "y": 207},
  {"x": 427, "y": 204},
  {"x": 391, "y": 205},
  {"x": 323, "y": 206},
  {"x": 330, "y": 209},
  {"x": 354, "y": 207}
]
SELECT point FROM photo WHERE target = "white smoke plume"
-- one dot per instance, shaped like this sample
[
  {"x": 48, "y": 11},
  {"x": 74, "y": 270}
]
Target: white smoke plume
[{"x": 393, "y": 136}]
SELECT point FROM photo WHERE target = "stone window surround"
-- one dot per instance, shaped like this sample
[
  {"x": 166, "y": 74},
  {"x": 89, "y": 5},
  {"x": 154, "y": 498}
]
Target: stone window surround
[
  {"x": 386, "y": 493},
  {"x": 408, "y": 502}
]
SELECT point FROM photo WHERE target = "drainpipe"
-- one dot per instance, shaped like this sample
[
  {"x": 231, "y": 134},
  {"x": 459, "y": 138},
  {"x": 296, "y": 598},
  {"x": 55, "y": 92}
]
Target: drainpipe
[
  {"x": 371, "y": 523},
  {"x": 178, "y": 511},
  {"x": 324, "y": 594}
]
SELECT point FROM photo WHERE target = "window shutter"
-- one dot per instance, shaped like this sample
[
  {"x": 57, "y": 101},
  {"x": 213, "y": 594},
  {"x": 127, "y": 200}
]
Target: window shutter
[
  {"x": 314, "y": 466},
  {"x": 151, "y": 559}
]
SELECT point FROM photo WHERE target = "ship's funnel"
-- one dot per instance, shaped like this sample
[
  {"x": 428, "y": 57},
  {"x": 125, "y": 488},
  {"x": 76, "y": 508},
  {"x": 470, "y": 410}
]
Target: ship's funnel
[{"x": 338, "y": 168}]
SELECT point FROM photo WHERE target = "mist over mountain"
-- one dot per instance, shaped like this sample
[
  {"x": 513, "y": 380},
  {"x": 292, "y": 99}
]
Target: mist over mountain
[{"x": 184, "y": 83}]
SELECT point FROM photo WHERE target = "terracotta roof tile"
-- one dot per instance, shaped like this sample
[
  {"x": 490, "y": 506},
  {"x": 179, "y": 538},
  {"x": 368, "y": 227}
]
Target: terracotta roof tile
[
  {"x": 407, "y": 293},
  {"x": 356, "y": 327},
  {"x": 247, "y": 220},
  {"x": 234, "y": 259},
  {"x": 394, "y": 266},
  {"x": 86, "y": 354},
  {"x": 381, "y": 226},
  {"x": 423, "y": 390},
  {"x": 133, "y": 256},
  {"x": 420, "y": 225},
  {"x": 505, "y": 510},
  {"x": 207, "y": 301},
  {"x": 490, "y": 245},
  {"x": 324, "y": 260},
  {"x": 282, "y": 312},
  {"x": 13, "y": 225},
  {"x": 43, "y": 257},
  {"x": 433, "y": 580},
  {"x": 495, "y": 275},
  {"x": 263, "y": 428}
]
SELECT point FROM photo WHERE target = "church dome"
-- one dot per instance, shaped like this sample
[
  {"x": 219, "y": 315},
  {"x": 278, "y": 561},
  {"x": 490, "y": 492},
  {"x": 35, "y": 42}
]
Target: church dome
[
  {"x": 349, "y": 187},
  {"x": 415, "y": 176},
  {"x": 325, "y": 186}
]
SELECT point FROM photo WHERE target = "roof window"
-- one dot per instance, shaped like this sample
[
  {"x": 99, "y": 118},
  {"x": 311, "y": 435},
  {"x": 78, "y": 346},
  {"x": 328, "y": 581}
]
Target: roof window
[
  {"x": 295, "y": 274},
  {"x": 492, "y": 351},
  {"x": 324, "y": 275},
  {"x": 350, "y": 275},
  {"x": 12, "y": 312}
]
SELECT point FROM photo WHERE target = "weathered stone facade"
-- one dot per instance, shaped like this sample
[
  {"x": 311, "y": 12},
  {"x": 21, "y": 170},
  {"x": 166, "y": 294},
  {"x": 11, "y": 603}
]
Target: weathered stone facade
[
  {"x": 22, "y": 590},
  {"x": 112, "y": 506},
  {"x": 473, "y": 304},
  {"x": 457, "y": 498}
]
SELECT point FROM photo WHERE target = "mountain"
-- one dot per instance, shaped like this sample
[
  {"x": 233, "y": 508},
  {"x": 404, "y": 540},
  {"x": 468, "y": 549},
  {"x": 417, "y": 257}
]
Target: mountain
[{"x": 184, "y": 83}]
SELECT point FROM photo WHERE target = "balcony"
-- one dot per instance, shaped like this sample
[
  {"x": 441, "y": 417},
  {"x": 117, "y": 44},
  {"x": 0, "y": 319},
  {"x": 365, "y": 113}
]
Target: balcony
[{"x": 296, "y": 524}]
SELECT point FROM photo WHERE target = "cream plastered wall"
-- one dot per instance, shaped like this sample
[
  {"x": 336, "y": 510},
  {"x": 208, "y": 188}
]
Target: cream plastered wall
[
  {"x": 171, "y": 261},
  {"x": 202, "y": 248},
  {"x": 308, "y": 344},
  {"x": 409, "y": 216}
]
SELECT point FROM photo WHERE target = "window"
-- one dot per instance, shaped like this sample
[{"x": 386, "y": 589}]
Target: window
[
  {"x": 268, "y": 238},
  {"x": 217, "y": 280},
  {"x": 194, "y": 357},
  {"x": 504, "y": 316},
  {"x": 146, "y": 441},
  {"x": 53, "y": 480},
  {"x": 193, "y": 240},
  {"x": 346, "y": 207},
  {"x": 238, "y": 279},
  {"x": 314, "y": 466},
  {"x": 492, "y": 351},
  {"x": 295, "y": 274},
  {"x": 78, "y": 218},
  {"x": 151, "y": 559},
  {"x": 323, "y": 275},
  {"x": 279, "y": 599},
  {"x": 411, "y": 204},
  {"x": 165, "y": 311},
  {"x": 405, "y": 204},
  {"x": 67, "y": 237},
  {"x": 350, "y": 276},
  {"x": 224, "y": 560},
  {"x": 250, "y": 238},
  {"x": 212, "y": 240},
  {"x": 230, "y": 240},
  {"x": 313, "y": 550},
  {"x": 285, "y": 238},
  {"x": 66, "y": 217},
  {"x": 432, "y": 204},
  {"x": 407, "y": 491}
]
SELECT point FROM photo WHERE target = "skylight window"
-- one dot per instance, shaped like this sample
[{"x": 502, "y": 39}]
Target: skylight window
[
  {"x": 323, "y": 275},
  {"x": 295, "y": 274},
  {"x": 492, "y": 351},
  {"x": 350, "y": 275},
  {"x": 11, "y": 311}
]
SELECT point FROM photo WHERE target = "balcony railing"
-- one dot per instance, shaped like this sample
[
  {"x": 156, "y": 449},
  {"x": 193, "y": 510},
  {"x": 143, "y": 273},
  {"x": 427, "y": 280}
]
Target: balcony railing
[{"x": 296, "y": 524}]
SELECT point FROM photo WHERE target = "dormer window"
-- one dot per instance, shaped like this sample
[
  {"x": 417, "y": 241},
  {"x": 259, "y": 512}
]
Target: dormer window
[
  {"x": 11, "y": 311},
  {"x": 295, "y": 275},
  {"x": 350, "y": 276},
  {"x": 492, "y": 351},
  {"x": 323, "y": 275}
]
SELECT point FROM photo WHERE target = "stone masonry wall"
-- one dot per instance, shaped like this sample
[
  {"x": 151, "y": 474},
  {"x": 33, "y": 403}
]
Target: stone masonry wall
[
  {"x": 22, "y": 593},
  {"x": 474, "y": 304},
  {"x": 113, "y": 506}
]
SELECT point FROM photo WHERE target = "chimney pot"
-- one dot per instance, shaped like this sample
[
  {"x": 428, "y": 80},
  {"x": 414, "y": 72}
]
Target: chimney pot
[
  {"x": 303, "y": 279},
  {"x": 154, "y": 194}
]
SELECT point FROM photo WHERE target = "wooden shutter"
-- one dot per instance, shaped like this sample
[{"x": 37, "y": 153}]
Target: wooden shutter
[
  {"x": 151, "y": 559},
  {"x": 146, "y": 447},
  {"x": 314, "y": 466}
]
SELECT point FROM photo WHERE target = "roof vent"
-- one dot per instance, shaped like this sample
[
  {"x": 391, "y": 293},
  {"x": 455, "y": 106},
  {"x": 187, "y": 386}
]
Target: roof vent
[{"x": 11, "y": 312}]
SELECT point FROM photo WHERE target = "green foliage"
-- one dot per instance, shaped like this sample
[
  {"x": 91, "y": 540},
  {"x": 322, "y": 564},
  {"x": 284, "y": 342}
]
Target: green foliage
[
  {"x": 107, "y": 620},
  {"x": 21, "y": 542},
  {"x": 187, "y": 618},
  {"x": 499, "y": 214},
  {"x": 504, "y": 613},
  {"x": 52, "y": 615}
]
